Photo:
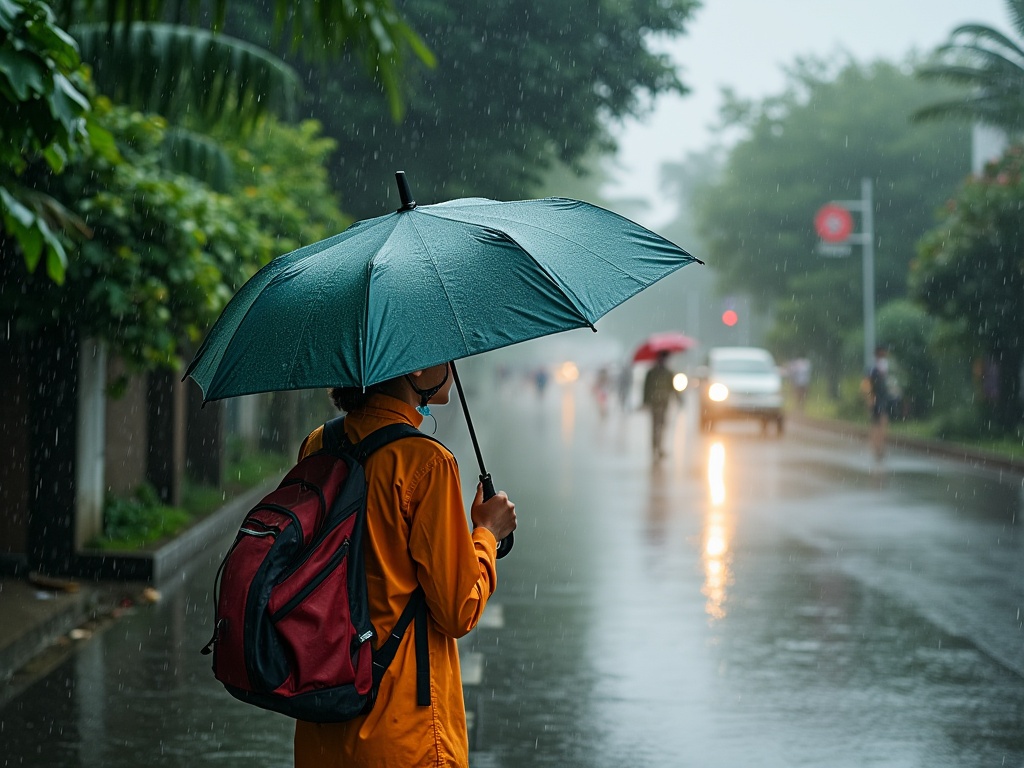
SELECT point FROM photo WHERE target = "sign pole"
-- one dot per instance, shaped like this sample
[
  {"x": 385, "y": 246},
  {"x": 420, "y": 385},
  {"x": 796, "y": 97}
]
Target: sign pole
[
  {"x": 833, "y": 224},
  {"x": 868, "y": 249}
]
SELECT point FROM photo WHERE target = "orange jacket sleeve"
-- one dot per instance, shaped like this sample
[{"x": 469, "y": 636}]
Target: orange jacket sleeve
[{"x": 455, "y": 567}]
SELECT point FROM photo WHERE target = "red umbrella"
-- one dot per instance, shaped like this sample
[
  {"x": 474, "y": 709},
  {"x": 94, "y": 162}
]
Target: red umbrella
[{"x": 656, "y": 343}]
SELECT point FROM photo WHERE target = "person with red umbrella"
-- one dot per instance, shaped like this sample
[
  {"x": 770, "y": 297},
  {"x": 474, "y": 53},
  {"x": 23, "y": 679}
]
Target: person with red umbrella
[{"x": 659, "y": 384}]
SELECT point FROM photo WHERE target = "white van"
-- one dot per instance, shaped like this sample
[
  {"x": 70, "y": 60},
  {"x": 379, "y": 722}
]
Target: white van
[{"x": 741, "y": 383}]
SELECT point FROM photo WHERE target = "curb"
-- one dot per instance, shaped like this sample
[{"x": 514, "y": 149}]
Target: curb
[
  {"x": 35, "y": 639},
  {"x": 975, "y": 457},
  {"x": 157, "y": 566}
]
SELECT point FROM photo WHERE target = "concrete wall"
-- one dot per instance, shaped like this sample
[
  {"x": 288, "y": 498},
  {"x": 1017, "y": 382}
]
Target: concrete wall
[
  {"x": 126, "y": 435},
  {"x": 14, "y": 448},
  {"x": 91, "y": 443}
]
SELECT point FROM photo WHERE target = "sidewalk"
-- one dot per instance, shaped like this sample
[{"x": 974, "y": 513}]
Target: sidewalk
[{"x": 40, "y": 622}]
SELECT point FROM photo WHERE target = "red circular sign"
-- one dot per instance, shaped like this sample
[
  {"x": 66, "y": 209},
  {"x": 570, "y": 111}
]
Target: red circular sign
[{"x": 833, "y": 223}]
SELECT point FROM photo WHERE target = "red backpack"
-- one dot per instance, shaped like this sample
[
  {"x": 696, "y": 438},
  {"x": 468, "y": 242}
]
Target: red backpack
[{"x": 292, "y": 629}]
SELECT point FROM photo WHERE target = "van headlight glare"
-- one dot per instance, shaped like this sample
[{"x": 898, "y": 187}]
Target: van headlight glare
[
  {"x": 679, "y": 382},
  {"x": 718, "y": 392}
]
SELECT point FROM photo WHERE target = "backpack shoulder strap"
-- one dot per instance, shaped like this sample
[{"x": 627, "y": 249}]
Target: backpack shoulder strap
[
  {"x": 334, "y": 436},
  {"x": 415, "y": 610},
  {"x": 379, "y": 438}
]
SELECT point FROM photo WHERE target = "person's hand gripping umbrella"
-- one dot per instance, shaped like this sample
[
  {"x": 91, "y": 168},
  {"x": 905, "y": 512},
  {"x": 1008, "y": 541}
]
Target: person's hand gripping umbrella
[{"x": 481, "y": 274}]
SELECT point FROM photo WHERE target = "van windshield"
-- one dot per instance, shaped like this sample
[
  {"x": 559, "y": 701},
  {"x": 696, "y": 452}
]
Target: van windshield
[{"x": 743, "y": 366}]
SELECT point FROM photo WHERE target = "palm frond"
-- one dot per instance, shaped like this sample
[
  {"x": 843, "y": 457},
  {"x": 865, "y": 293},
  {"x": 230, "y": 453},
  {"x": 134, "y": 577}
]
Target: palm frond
[
  {"x": 988, "y": 66},
  {"x": 372, "y": 29},
  {"x": 1016, "y": 9},
  {"x": 979, "y": 33},
  {"x": 988, "y": 111},
  {"x": 134, "y": 11},
  {"x": 198, "y": 156},
  {"x": 180, "y": 72}
]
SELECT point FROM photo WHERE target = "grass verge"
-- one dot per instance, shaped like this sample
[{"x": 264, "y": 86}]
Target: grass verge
[{"x": 141, "y": 521}]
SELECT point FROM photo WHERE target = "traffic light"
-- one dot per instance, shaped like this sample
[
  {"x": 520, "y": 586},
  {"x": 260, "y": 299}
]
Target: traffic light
[{"x": 730, "y": 318}]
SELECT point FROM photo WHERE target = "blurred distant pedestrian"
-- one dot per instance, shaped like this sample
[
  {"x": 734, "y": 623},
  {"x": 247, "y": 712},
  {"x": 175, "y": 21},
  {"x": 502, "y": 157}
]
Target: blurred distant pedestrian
[
  {"x": 602, "y": 383},
  {"x": 659, "y": 391},
  {"x": 877, "y": 387},
  {"x": 800, "y": 376},
  {"x": 540, "y": 381},
  {"x": 625, "y": 386}
]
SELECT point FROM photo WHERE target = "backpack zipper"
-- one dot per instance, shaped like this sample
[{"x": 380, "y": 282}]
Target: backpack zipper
[
  {"x": 332, "y": 564},
  {"x": 314, "y": 543},
  {"x": 269, "y": 530}
]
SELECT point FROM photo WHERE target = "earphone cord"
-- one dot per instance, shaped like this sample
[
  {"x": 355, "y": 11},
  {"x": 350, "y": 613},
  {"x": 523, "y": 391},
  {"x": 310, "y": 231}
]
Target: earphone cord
[{"x": 426, "y": 394}]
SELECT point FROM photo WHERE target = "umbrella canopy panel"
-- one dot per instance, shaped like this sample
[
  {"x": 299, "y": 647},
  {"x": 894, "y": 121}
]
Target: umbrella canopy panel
[{"x": 423, "y": 286}]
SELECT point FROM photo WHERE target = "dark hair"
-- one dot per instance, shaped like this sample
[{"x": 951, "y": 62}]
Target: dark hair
[{"x": 349, "y": 399}]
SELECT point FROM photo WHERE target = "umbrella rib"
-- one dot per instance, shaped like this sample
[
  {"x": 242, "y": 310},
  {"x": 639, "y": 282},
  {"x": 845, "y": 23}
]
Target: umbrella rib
[
  {"x": 440, "y": 280},
  {"x": 560, "y": 235},
  {"x": 571, "y": 297}
]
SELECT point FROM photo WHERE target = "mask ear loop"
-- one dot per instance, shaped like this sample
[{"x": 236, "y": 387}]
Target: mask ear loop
[{"x": 425, "y": 394}]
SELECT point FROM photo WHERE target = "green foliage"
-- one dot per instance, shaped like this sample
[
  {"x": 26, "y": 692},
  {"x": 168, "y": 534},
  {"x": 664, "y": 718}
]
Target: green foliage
[
  {"x": 518, "y": 86},
  {"x": 140, "y": 520},
  {"x": 970, "y": 272},
  {"x": 133, "y": 522},
  {"x": 43, "y": 103},
  {"x": 165, "y": 256},
  {"x": 990, "y": 66},
  {"x": 283, "y": 187},
  {"x": 834, "y": 125},
  {"x": 167, "y": 252},
  {"x": 909, "y": 333}
]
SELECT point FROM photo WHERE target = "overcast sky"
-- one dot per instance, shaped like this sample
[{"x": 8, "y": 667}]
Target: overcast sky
[{"x": 745, "y": 43}]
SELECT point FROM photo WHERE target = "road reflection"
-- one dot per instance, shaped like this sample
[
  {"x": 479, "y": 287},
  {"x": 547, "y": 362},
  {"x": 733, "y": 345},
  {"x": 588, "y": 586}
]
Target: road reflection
[
  {"x": 715, "y": 555},
  {"x": 568, "y": 413}
]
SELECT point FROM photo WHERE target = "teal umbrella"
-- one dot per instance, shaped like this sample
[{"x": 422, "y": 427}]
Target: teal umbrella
[{"x": 425, "y": 285}]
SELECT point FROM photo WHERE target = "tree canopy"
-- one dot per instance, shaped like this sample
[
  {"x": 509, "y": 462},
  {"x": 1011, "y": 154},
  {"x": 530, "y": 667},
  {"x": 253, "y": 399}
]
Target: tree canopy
[
  {"x": 166, "y": 252},
  {"x": 970, "y": 273},
  {"x": 517, "y": 86},
  {"x": 833, "y": 126}
]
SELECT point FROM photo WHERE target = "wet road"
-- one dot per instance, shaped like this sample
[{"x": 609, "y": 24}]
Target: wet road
[{"x": 749, "y": 601}]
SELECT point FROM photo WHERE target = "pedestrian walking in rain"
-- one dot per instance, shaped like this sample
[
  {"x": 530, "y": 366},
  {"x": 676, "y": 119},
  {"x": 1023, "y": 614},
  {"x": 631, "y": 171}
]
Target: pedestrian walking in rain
[
  {"x": 877, "y": 387},
  {"x": 659, "y": 391},
  {"x": 800, "y": 375},
  {"x": 416, "y": 537}
]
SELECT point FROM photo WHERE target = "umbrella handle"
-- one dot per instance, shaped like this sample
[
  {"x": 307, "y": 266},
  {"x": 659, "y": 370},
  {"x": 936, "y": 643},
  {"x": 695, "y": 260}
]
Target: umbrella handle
[{"x": 505, "y": 545}]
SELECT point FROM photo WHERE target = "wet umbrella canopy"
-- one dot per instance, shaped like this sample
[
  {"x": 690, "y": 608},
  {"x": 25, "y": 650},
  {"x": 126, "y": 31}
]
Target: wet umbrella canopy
[{"x": 423, "y": 286}]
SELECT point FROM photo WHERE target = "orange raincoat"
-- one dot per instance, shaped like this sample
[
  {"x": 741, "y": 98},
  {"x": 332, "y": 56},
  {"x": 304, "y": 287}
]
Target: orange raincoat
[{"x": 417, "y": 534}]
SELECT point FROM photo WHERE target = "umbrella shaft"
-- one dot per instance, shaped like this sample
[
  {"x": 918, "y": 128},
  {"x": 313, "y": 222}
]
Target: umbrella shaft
[{"x": 472, "y": 432}]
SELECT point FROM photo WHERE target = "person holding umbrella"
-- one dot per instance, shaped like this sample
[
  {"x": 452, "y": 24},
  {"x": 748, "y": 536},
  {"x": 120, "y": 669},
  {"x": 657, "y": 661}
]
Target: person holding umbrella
[
  {"x": 659, "y": 391},
  {"x": 417, "y": 537},
  {"x": 379, "y": 308}
]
